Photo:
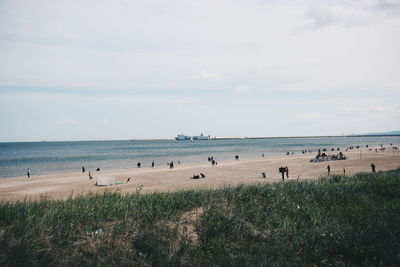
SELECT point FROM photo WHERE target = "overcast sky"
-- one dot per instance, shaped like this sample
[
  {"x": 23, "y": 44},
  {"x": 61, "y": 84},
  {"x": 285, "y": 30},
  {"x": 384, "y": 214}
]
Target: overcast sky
[{"x": 121, "y": 69}]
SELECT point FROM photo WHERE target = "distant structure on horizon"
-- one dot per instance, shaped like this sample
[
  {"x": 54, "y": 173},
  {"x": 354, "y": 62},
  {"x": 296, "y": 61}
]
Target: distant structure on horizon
[
  {"x": 201, "y": 137},
  {"x": 182, "y": 137}
]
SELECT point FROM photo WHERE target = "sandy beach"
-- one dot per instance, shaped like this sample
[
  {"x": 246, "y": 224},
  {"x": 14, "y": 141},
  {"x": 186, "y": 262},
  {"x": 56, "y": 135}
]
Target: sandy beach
[{"x": 226, "y": 173}]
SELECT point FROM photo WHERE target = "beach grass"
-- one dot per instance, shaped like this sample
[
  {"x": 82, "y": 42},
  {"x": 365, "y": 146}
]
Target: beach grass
[{"x": 330, "y": 221}]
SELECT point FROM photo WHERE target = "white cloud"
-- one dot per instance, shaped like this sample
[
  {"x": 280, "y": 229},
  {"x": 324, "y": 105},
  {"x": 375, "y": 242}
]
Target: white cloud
[
  {"x": 104, "y": 122},
  {"x": 211, "y": 76},
  {"x": 309, "y": 116},
  {"x": 354, "y": 13},
  {"x": 65, "y": 120},
  {"x": 355, "y": 110},
  {"x": 242, "y": 89},
  {"x": 183, "y": 100}
]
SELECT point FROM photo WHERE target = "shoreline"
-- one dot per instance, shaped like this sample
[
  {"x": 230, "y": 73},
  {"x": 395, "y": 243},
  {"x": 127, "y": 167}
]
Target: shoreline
[{"x": 164, "y": 179}]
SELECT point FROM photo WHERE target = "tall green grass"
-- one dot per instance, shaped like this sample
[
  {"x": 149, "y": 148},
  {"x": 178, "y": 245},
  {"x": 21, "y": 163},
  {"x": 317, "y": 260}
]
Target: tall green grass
[{"x": 330, "y": 221}]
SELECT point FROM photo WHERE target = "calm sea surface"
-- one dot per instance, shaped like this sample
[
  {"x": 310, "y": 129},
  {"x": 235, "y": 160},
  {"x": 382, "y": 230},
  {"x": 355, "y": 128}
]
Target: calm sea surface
[{"x": 61, "y": 157}]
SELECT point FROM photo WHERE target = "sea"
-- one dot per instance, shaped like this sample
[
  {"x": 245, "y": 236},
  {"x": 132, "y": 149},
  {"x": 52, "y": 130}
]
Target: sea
[{"x": 70, "y": 156}]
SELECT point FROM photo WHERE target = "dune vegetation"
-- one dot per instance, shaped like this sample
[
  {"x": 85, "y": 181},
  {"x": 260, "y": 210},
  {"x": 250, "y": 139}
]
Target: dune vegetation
[{"x": 330, "y": 221}]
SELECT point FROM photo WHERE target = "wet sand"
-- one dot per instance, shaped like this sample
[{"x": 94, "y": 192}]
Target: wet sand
[{"x": 226, "y": 173}]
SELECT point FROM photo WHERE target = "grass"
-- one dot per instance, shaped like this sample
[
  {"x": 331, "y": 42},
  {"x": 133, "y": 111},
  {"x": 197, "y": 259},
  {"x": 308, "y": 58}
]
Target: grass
[{"x": 331, "y": 221}]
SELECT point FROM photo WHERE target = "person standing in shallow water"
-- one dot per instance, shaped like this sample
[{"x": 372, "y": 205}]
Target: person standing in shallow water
[
  {"x": 28, "y": 173},
  {"x": 152, "y": 164}
]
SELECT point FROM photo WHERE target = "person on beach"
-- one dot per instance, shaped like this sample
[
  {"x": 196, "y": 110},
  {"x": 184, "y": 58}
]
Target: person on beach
[
  {"x": 287, "y": 172},
  {"x": 344, "y": 172},
  {"x": 83, "y": 168},
  {"x": 329, "y": 169},
  {"x": 373, "y": 168},
  {"x": 171, "y": 165},
  {"x": 128, "y": 180},
  {"x": 90, "y": 176},
  {"x": 28, "y": 173},
  {"x": 138, "y": 164},
  {"x": 282, "y": 171},
  {"x": 152, "y": 164}
]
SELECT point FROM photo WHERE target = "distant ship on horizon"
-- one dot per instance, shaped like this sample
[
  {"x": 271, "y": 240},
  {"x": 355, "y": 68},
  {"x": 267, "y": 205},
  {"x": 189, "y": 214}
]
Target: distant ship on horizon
[
  {"x": 201, "y": 137},
  {"x": 182, "y": 137}
]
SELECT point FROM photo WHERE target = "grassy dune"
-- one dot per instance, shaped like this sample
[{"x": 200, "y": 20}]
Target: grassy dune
[{"x": 330, "y": 221}]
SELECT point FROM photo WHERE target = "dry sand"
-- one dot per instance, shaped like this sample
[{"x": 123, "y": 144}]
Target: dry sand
[{"x": 161, "y": 178}]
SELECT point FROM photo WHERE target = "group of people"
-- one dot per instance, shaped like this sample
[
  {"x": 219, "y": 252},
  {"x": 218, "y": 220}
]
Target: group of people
[
  {"x": 201, "y": 175},
  {"x": 212, "y": 160},
  {"x": 139, "y": 164},
  {"x": 283, "y": 171},
  {"x": 373, "y": 169}
]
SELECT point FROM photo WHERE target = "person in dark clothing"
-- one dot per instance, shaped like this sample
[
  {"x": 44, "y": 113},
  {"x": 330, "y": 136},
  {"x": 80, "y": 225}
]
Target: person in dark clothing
[
  {"x": 139, "y": 164},
  {"x": 152, "y": 164},
  {"x": 282, "y": 171},
  {"x": 171, "y": 165},
  {"x": 83, "y": 168},
  {"x": 287, "y": 172},
  {"x": 373, "y": 168},
  {"x": 28, "y": 173},
  {"x": 329, "y": 169}
]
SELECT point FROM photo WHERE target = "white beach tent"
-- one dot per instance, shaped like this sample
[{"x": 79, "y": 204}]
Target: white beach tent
[{"x": 105, "y": 181}]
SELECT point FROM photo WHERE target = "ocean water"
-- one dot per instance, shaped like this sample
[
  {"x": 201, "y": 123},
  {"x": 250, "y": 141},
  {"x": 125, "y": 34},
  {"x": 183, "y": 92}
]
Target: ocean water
[{"x": 61, "y": 157}]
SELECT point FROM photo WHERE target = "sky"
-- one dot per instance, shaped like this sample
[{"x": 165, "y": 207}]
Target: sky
[{"x": 127, "y": 69}]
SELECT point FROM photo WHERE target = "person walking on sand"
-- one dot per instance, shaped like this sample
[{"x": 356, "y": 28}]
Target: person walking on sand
[
  {"x": 373, "y": 168},
  {"x": 28, "y": 173},
  {"x": 287, "y": 172},
  {"x": 128, "y": 180},
  {"x": 329, "y": 169},
  {"x": 90, "y": 176}
]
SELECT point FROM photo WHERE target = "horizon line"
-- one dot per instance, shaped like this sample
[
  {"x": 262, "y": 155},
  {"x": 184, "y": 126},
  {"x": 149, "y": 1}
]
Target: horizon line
[{"x": 219, "y": 138}]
